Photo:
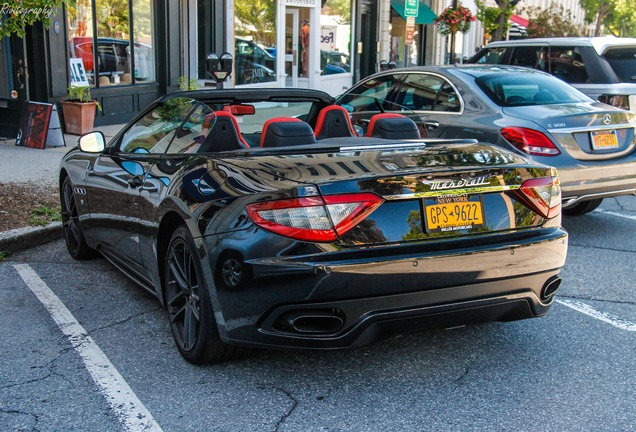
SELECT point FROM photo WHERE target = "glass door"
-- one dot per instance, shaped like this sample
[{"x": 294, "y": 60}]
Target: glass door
[{"x": 291, "y": 47}]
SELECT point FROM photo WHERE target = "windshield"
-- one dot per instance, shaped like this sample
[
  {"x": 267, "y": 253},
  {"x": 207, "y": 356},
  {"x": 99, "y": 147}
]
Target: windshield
[
  {"x": 528, "y": 89},
  {"x": 623, "y": 61}
]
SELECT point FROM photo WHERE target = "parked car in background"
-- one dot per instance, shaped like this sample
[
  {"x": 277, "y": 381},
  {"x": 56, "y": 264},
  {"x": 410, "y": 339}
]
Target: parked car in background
[
  {"x": 334, "y": 62},
  {"x": 292, "y": 234},
  {"x": 531, "y": 112},
  {"x": 604, "y": 68}
]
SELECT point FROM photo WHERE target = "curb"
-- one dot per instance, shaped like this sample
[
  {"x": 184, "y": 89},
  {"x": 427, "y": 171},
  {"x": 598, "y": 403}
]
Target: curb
[{"x": 24, "y": 238}]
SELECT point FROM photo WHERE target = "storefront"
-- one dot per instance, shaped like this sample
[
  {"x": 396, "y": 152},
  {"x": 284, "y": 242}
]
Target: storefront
[
  {"x": 413, "y": 54},
  {"x": 292, "y": 43},
  {"x": 124, "y": 47}
]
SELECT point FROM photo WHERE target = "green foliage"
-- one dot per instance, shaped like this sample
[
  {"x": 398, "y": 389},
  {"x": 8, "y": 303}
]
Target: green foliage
[
  {"x": 621, "y": 21},
  {"x": 256, "y": 18},
  {"x": 339, "y": 8},
  {"x": 43, "y": 215},
  {"x": 552, "y": 22},
  {"x": 15, "y": 16},
  {"x": 112, "y": 18},
  {"x": 597, "y": 11},
  {"x": 186, "y": 83},
  {"x": 3, "y": 257},
  {"x": 459, "y": 17},
  {"x": 80, "y": 94},
  {"x": 488, "y": 17}
]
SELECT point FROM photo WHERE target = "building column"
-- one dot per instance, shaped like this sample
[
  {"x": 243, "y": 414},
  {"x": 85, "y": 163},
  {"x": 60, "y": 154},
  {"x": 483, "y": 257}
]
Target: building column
[{"x": 384, "y": 18}]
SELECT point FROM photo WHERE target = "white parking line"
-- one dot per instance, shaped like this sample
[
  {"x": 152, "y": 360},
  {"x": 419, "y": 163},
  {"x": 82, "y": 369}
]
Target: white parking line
[
  {"x": 131, "y": 412},
  {"x": 601, "y": 316},
  {"x": 626, "y": 216}
]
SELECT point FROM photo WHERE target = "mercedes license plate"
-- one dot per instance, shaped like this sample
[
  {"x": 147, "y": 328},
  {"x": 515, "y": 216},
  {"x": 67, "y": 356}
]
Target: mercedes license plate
[
  {"x": 454, "y": 213},
  {"x": 604, "y": 140}
]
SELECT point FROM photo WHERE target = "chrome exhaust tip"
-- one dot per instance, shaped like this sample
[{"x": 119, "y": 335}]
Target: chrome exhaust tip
[{"x": 550, "y": 287}]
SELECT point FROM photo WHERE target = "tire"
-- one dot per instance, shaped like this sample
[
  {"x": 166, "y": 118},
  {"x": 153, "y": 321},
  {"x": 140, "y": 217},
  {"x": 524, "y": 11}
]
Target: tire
[
  {"x": 582, "y": 207},
  {"x": 73, "y": 233},
  {"x": 188, "y": 303}
]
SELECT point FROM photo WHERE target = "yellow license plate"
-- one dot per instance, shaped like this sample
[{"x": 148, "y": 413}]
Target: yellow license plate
[
  {"x": 454, "y": 216},
  {"x": 604, "y": 140}
]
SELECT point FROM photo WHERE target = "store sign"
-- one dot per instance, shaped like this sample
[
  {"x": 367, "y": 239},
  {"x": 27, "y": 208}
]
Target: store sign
[
  {"x": 303, "y": 3},
  {"x": 78, "y": 73},
  {"x": 411, "y": 8},
  {"x": 328, "y": 37},
  {"x": 410, "y": 30}
]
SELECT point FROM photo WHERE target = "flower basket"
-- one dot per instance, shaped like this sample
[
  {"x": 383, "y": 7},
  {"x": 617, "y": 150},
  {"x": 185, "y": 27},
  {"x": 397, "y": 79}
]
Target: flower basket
[{"x": 453, "y": 20}]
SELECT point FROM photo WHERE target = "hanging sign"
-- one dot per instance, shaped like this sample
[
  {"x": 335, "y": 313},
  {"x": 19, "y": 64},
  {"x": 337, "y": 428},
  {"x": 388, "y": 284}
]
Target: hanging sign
[
  {"x": 78, "y": 73},
  {"x": 411, "y": 8},
  {"x": 410, "y": 30}
]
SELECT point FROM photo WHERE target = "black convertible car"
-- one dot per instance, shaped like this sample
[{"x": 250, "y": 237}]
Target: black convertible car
[{"x": 260, "y": 218}]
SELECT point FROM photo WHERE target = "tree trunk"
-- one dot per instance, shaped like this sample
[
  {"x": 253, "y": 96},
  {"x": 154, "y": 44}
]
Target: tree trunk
[
  {"x": 597, "y": 30},
  {"x": 499, "y": 34}
]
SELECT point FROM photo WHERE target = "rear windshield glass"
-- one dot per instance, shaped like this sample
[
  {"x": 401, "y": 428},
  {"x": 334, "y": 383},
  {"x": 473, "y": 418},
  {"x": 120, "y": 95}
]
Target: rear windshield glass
[
  {"x": 623, "y": 61},
  {"x": 528, "y": 89}
]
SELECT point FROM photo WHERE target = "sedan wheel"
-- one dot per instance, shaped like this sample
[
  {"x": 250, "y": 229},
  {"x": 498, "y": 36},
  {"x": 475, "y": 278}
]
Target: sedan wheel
[
  {"x": 73, "y": 234},
  {"x": 189, "y": 308},
  {"x": 582, "y": 207}
]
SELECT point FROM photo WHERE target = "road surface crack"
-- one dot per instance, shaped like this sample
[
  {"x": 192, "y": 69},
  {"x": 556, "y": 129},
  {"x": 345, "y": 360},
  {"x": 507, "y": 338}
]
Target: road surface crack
[{"x": 289, "y": 411}]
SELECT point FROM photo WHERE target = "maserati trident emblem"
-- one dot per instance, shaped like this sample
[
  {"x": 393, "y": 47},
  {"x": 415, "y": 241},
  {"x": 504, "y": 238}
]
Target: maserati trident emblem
[
  {"x": 455, "y": 184},
  {"x": 607, "y": 119}
]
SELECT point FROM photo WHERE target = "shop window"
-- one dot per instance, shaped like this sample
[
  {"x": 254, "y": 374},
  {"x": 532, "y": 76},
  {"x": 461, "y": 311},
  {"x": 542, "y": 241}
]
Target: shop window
[
  {"x": 255, "y": 41},
  {"x": 335, "y": 37},
  {"x": 113, "y": 63}
]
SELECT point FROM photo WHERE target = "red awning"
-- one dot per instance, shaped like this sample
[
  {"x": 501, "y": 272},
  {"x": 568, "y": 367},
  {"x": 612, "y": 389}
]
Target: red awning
[{"x": 519, "y": 20}]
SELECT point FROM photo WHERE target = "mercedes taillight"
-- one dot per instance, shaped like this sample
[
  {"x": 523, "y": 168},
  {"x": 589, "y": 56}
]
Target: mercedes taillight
[
  {"x": 530, "y": 141},
  {"x": 316, "y": 219}
]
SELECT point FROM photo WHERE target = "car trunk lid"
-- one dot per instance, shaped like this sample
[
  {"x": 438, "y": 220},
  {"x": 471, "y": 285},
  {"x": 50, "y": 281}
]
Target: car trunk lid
[{"x": 586, "y": 131}]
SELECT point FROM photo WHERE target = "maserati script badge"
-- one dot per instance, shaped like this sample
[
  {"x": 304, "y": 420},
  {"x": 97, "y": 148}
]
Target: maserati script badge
[{"x": 455, "y": 184}]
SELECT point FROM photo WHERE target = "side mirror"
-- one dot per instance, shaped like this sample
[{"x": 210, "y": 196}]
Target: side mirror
[{"x": 92, "y": 142}]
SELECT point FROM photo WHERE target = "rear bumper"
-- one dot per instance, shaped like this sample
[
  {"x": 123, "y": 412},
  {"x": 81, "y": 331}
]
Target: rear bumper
[
  {"x": 605, "y": 179},
  {"x": 353, "y": 297}
]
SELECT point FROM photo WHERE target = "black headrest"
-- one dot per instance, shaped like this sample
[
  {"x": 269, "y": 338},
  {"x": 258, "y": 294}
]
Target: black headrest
[
  {"x": 224, "y": 135},
  {"x": 286, "y": 131},
  {"x": 333, "y": 122},
  {"x": 392, "y": 126}
]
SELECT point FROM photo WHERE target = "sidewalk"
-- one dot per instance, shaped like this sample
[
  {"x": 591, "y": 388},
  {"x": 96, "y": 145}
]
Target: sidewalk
[
  {"x": 29, "y": 165},
  {"x": 32, "y": 168}
]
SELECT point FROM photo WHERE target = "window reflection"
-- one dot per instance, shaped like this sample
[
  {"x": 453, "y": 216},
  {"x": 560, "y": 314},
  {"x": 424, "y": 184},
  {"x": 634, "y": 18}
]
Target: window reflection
[
  {"x": 80, "y": 35},
  {"x": 255, "y": 41},
  {"x": 335, "y": 37}
]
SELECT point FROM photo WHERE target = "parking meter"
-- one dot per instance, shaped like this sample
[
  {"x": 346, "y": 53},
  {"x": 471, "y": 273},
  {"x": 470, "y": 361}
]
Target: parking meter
[
  {"x": 392, "y": 65},
  {"x": 212, "y": 63},
  {"x": 383, "y": 65},
  {"x": 226, "y": 65}
]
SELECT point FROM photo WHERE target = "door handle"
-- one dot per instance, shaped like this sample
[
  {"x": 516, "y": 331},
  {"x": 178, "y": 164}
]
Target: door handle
[
  {"x": 431, "y": 124},
  {"x": 135, "y": 182},
  {"x": 295, "y": 57}
]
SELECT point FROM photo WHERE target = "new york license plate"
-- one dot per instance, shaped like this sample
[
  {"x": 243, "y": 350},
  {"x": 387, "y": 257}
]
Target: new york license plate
[
  {"x": 604, "y": 140},
  {"x": 454, "y": 213}
]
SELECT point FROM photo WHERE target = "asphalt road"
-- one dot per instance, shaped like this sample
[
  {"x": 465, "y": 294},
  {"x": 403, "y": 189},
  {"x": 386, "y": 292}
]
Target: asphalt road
[{"x": 572, "y": 370}]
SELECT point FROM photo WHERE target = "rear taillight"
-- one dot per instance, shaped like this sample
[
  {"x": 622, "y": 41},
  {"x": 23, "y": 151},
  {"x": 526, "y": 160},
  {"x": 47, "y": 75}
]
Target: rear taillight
[
  {"x": 530, "y": 141},
  {"x": 317, "y": 219},
  {"x": 619, "y": 101},
  {"x": 543, "y": 195}
]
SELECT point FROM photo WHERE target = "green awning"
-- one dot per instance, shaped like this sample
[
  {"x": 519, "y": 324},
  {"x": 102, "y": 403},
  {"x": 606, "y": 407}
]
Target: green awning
[{"x": 424, "y": 13}]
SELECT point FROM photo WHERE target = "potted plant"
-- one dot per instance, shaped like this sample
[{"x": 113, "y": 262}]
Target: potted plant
[{"x": 79, "y": 110}]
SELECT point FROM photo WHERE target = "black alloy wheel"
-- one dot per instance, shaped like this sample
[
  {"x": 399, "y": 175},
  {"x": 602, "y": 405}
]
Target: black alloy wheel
[
  {"x": 189, "y": 308},
  {"x": 73, "y": 234}
]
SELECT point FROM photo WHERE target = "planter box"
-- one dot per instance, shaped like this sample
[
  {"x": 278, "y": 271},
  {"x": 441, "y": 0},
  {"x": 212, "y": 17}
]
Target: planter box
[{"x": 79, "y": 116}]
